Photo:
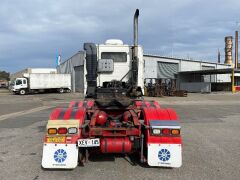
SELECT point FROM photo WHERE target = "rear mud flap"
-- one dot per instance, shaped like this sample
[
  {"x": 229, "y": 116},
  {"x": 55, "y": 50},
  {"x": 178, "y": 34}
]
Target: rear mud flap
[
  {"x": 165, "y": 155},
  {"x": 59, "y": 156}
]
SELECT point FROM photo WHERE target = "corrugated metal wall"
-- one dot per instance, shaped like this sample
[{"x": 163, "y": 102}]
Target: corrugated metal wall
[
  {"x": 167, "y": 70},
  {"x": 155, "y": 67},
  {"x": 203, "y": 87},
  {"x": 79, "y": 78},
  {"x": 209, "y": 78},
  {"x": 75, "y": 67}
]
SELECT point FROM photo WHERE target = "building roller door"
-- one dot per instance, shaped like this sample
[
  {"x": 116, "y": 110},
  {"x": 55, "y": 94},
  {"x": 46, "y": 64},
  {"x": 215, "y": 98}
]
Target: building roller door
[
  {"x": 79, "y": 78},
  {"x": 167, "y": 70},
  {"x": 209, "y": 78}
]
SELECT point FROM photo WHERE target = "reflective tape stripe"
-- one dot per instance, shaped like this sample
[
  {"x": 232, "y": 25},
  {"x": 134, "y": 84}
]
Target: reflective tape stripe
[
  {"x": 80, "y": 104},
  {"x": 71, "y": 104},
  {"x": 55, "y": 114},
  {"x": 67, "y": 114}
]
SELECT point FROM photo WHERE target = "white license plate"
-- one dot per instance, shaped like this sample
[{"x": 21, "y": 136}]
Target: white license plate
[{"x": 89, "y": 142}]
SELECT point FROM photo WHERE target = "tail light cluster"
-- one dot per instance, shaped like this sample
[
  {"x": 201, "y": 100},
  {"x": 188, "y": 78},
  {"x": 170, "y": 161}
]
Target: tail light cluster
[
  {"x": 62, "y": 130},
  {"x": 165, "y": 132}
]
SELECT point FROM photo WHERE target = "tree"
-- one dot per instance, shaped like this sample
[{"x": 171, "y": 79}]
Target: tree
[{"x": 4, "y": 75}]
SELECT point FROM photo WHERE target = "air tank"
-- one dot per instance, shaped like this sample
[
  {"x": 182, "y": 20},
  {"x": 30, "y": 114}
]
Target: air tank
[
  {"x": 101, "y": 118},
  {"x": 116, "y": 145}
]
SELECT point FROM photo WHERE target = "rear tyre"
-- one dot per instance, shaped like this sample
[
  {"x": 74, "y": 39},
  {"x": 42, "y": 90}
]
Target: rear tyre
[
  {"x": 22, "y": 92},
  {"x": 81, "y": 157},
  {"x": 68, "y": 90},
  {"x": 61, "y": 90}
]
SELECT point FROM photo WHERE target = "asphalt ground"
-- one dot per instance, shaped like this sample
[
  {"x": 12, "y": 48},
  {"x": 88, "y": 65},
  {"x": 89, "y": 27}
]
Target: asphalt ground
[{"x": 210, "y": 130}]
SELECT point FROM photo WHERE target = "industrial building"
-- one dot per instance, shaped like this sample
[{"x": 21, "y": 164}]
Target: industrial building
[
  {"x": 187, "y": 74},
  {"x": 75, "y": 67},
  {"x": 158, "y": 67},
  {"x": 190, "y": 75}
]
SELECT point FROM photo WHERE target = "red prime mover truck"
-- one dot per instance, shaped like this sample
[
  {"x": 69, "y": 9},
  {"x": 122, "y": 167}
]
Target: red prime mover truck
[{"x": 114, "y": 117}]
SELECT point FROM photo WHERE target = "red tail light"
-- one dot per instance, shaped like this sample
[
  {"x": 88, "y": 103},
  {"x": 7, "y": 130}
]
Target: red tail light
[
  {"x": 62, "y": 130},
  {"x": 165, "y": 131}
]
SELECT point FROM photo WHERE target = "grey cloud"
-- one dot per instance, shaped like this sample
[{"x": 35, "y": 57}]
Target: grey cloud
[{"x": 31, "y": 31}]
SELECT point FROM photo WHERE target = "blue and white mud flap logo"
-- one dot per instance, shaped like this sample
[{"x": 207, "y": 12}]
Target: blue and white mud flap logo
[
  {"x": 60, "y": 155},
  {"x": 164, "y": 155}
]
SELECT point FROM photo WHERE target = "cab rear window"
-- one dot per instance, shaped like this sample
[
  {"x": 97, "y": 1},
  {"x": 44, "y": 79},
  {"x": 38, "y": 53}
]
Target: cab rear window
[{"x": 115, "y": 56}]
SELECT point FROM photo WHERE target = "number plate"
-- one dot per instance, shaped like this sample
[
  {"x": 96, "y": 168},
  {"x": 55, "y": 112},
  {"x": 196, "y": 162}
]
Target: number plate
[
  {"x": 88, "y": 142},
  {"x": 56, "y": 139}
]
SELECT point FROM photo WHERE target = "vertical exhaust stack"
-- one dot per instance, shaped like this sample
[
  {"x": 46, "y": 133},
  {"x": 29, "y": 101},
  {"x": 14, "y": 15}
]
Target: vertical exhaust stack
[
  {"x": 135, "y": 49},
  {"x": 91, "y": 66},
  {"x": 135, "y": 27},
  {"x": 228, "y": 50}
]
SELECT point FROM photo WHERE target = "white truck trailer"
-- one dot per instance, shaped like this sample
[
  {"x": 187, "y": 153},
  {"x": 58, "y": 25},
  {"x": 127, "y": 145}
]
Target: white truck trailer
[{"x": 41, "y": 82}]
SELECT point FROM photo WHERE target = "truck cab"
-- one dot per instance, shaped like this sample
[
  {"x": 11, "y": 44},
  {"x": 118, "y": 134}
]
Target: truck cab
[
  {"x": 19, "y": 86},
  {"x": 113, "y": 64},
  {"x": 115, "y": 61}
]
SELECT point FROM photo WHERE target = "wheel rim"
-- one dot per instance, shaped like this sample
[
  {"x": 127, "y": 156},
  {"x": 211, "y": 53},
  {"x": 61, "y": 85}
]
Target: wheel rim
[{"x": 61, "y": 90}]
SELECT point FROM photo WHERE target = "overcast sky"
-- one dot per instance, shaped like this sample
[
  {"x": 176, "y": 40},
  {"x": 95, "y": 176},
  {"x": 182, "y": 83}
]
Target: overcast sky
[{"x": 32, "y": 30}]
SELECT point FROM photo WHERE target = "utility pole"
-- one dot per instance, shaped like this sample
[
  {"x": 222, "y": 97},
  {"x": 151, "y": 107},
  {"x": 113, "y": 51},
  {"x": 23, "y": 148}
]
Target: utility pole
[
  {"x": 219, "y": 57},
  {"x": 233, "y": 84},
  {"x": 236, "y": 49}
]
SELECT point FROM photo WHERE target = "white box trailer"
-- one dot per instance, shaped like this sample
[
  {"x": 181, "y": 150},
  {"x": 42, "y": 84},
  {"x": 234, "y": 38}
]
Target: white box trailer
[
  {"x": 33, "y": 71},
  {"x": 40, "y": 82}
]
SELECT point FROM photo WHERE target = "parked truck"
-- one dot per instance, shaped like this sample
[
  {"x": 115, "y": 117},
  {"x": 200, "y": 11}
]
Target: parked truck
[
  {"x": 41, "y": 82},
  {"x": 114, "y": 117}
]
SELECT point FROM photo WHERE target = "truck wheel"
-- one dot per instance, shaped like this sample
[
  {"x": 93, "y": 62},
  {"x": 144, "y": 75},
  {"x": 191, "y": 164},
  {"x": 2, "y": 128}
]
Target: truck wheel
[
  {"x": 61, "y": 90},
  {"x": 81, "y": 157},
  {"x": 22, "y": 92},
  {"x": 68, "y": 90}
]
